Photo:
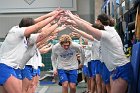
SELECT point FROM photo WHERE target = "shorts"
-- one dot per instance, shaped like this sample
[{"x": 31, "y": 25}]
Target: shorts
[
  {"x": 28, "y": 72},
  {"x": 18, "y": 73},
  {"x": 94, "y": 68},
  {"x": 124, "y": 72},
  {"x": 67, "y": 75},
  {"x": 34, "y": 72},
  {"x": 38, "y": 71},
  {"x": 99, "y": 70},
  {"x": 105, "y": 74},
  {"x": 85, "y": 71},
  {"x": 6, "y": 72}
]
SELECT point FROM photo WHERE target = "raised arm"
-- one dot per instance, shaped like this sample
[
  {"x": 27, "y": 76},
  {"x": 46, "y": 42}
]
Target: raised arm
[
  {"x": 48, "y": 15},
  {"x": 42, "y": 22},
  {"x": 51, "y": 31},
  {"x": 85, "y": 27},
  {"x": 46, "y": 31},
  {"x": 90, "y": 37},
  {"x": 45, "y": 49},
  {"x": 36, "y": 27},
  {"x": 59, "y": 29},
  {"x": 76, "y": 16},
  {"x": 46, "y": 40}
]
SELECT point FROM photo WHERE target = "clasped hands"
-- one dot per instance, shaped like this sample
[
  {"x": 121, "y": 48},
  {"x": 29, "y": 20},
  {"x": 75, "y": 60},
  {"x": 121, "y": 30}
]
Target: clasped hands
[{"x": 64, "y": 18}]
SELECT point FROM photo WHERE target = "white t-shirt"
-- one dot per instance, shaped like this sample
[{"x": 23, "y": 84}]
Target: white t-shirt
[
  {"x": 112, "y": 50},
  {"x": 13, "y": 47},
  {"x": 95, "y": 55},
  {"x": 87, "y": 55},
  {"x": 66, "y": 59},
  {"x": 114, "y": 32},
  {"x": 36, "y": 60},
  {"x": 31, "y": 50},
  {"x": 39, "y": 58},
  {"x": 94, "y": 46}
]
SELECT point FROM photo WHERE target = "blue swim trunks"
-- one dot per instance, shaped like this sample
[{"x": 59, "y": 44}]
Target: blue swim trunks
[
  {"x": 6, "y": 72},
  {"x": 67, "y": 75},
  {"x": 98, "y": 67},
  {"x": 36, "y": 72},
  {"x": 18, "y": 73},
  {"x": 27, "y": 72},
  {"x": 94, "y": 68},
  {"x": 85, "y": 71},
  {"x": 105, "y": 74},
  {"x": 125, "y": 72}
]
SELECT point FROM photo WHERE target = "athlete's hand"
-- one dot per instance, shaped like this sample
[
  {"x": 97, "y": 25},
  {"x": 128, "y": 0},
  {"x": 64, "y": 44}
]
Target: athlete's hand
[
  {"x": 80, "y": 66},
  {"x": 55, "y": 73}
]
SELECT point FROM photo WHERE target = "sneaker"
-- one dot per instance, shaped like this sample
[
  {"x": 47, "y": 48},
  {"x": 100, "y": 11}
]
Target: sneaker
[{"x": 82, "y": 81}]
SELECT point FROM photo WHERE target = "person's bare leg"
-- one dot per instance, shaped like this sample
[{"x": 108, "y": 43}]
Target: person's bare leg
[
  {"x": 89, "y": 83},
  {"x": 103, "y": 87},
  {"x": 108, "y": 88},
  {"x": 25, "y": 85},
  {"x": 72, "y": 87},
  {"x": 118, "y": 86},
  {"x": 13, "y": 85},
  {"x": 93, "y": 84},
  {"x": 2, "y": 90},
  {"x": 65, "y": 87},
  {"x": 32, "y": 85},
  {"x": 98, "y": 83},
  {"x": 36, "y": 83}
]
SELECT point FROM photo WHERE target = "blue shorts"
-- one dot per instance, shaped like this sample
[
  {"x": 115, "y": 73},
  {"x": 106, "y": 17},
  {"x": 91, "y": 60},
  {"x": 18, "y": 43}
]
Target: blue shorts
[
  {"x": 67, "y": 75},
  {"x": 105, "y": 74},
  {"x": 125, "y": 72},
  {"x": 6, "y": 72},
  {"x": 38, "y": 71},
  {"x": 85, "y": 71},
  {"x": 94, "y": 67},
  {"x": 18, "y": 73},
  {"x": 34, "y": 72},
  {"x": 28, "y": 72},
  {"x": 100, "y": 67}
]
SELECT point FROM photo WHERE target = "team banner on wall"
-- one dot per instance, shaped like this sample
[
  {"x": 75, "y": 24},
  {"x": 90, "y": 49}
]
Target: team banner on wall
[{"x": 20, "y": 6}]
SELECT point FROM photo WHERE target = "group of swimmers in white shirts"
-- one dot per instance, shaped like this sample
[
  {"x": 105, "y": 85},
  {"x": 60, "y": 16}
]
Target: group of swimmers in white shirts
[{"x": 20, "y": 54}]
